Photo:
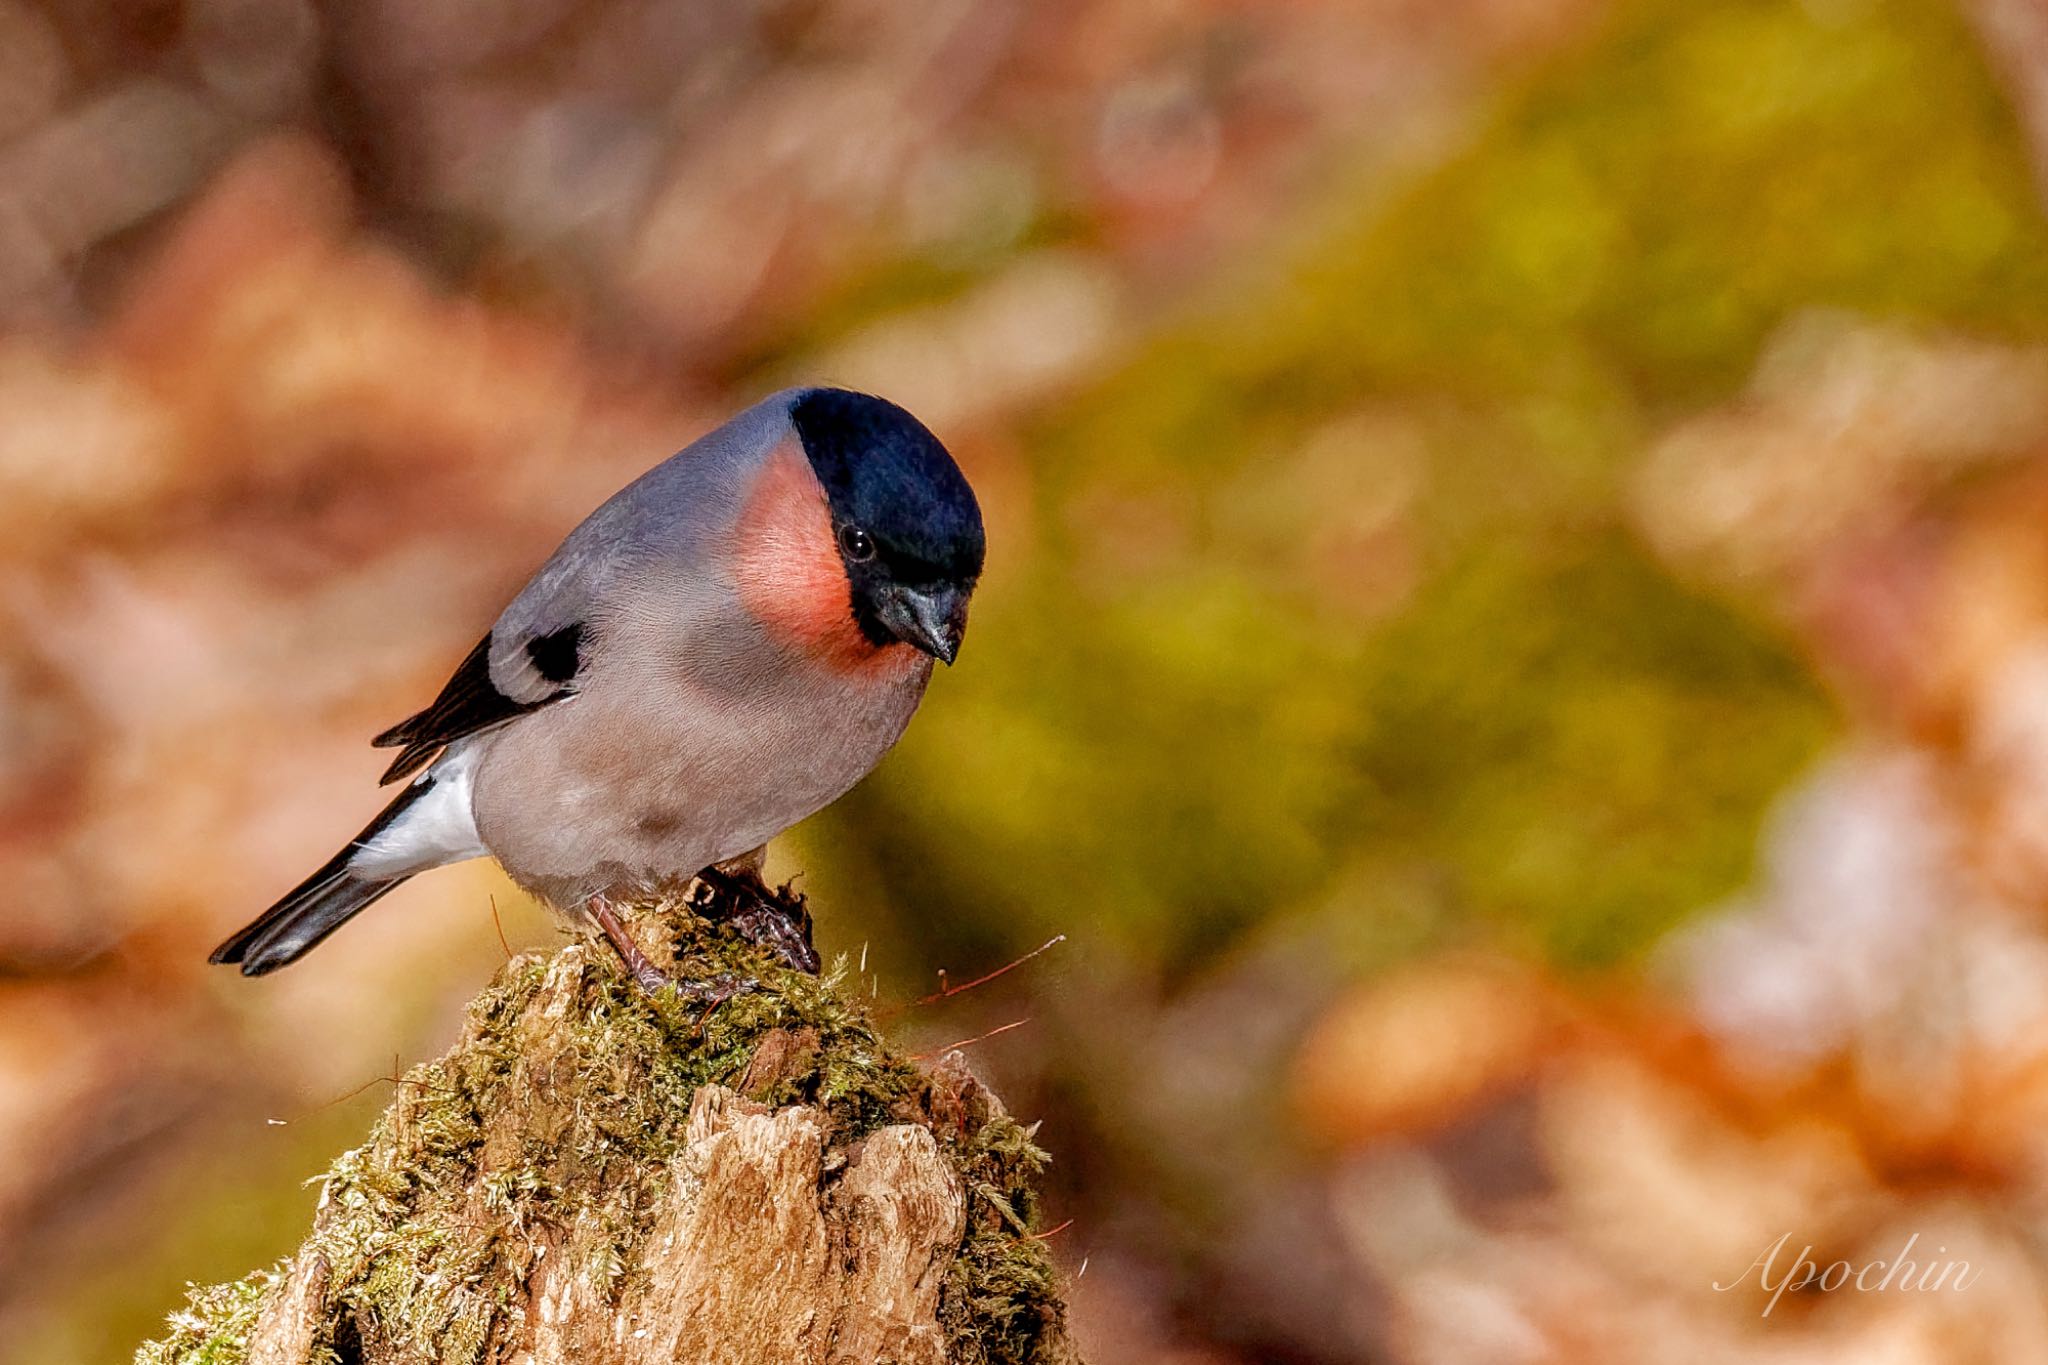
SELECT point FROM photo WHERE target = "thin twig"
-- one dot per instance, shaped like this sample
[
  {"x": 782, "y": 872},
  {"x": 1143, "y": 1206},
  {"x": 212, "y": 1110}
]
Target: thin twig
[
  {"x": 502, "y": 942},
  {"x": 946, "y": 992},
  {"x": 378, "y": 1080},
  {"x": 970, "y": 1042}
]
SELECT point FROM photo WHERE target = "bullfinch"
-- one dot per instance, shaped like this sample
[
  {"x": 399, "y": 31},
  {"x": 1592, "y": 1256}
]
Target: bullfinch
[{"x": 723, "y": 648}]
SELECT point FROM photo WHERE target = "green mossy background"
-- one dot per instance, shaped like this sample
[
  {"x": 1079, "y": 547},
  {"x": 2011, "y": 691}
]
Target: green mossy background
[
  {"x": 1563, "y": 745},
  {"x": 429, "y": 1224}
]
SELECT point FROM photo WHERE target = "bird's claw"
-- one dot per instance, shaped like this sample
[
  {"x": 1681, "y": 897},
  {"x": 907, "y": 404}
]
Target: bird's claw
[
  {"x": 715, "y": 990},
  {"x": 784, "y": 935},
  {"x": 651, "y": 979},
  {"x": 778, "y": 921},
  {"x": 711, "y": 991}
]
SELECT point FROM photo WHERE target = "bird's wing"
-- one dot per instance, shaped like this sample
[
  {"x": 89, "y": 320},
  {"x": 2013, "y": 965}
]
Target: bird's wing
[
  {"x": 472, "y": 700},
  {"x": 530, "y": 658},
  {"x": 534, "y": 653}
]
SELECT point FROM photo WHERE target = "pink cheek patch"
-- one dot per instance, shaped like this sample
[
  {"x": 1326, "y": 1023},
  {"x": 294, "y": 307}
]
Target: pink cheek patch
[{"x": 788, "y": 569}]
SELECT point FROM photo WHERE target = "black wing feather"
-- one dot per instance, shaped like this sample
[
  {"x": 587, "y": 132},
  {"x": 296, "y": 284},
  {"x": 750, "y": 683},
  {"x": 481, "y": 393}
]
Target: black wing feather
[{"x": 471, "y": 702}]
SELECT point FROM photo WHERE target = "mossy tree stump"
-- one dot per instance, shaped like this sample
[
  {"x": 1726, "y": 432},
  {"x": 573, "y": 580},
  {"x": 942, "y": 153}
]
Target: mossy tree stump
[{"x": 595, "y": 1177}]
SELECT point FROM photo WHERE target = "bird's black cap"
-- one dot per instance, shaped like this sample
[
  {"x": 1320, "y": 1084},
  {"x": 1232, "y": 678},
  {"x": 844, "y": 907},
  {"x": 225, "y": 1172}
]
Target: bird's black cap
[
  {"x": 888, "y": 479},
  {"x": 885, "y": 472}
]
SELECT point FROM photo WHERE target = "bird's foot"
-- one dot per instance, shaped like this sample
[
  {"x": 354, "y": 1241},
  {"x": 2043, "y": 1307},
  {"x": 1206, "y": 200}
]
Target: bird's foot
[
  {"x": 713, "y": 991},
  {"x": 777, "y": 920},
  {"x": 645, "y": 974}
]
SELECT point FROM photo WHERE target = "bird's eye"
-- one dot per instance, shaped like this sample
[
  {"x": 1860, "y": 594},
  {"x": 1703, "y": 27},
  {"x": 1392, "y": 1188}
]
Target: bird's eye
[{"x": 858, "y": 544}]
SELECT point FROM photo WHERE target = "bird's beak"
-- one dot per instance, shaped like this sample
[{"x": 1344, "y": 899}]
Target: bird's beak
[{"x": 932, "y": 619}]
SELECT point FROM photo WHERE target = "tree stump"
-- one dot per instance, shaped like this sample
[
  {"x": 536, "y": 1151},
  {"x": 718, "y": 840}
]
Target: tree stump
[{"x": 591, "y": 1176}]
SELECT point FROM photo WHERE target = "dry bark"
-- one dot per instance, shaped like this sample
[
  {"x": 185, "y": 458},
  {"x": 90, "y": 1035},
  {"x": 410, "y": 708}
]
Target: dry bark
[{"x": 752, "y": 1257}]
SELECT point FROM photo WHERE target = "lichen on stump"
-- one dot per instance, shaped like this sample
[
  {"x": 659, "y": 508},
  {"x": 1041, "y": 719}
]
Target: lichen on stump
[{"x": 592, "y": 1176}]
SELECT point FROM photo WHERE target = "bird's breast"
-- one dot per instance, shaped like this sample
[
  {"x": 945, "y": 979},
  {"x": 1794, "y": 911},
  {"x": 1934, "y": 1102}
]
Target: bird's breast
[{"x": 658, "y": 769}]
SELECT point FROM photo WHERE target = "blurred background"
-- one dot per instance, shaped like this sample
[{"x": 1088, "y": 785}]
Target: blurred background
[{"x": 1514, "y": 650}]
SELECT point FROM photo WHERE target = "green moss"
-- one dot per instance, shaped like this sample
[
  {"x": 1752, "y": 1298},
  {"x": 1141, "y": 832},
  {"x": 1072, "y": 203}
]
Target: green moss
[
  {"x": 446, "y": 1199},
  {"x": 1001, "y": 1299},
  {"x": 213, "y": 1328}
]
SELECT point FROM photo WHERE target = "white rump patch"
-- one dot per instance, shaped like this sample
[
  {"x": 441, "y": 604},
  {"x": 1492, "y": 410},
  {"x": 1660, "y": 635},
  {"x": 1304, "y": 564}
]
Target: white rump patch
[{"x": 437, "y": 829}]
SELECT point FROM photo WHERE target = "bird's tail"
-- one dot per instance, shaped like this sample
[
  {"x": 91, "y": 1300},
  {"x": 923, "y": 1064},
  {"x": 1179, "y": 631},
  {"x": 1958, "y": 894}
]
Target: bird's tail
[{"x": 317, "y": 906}]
